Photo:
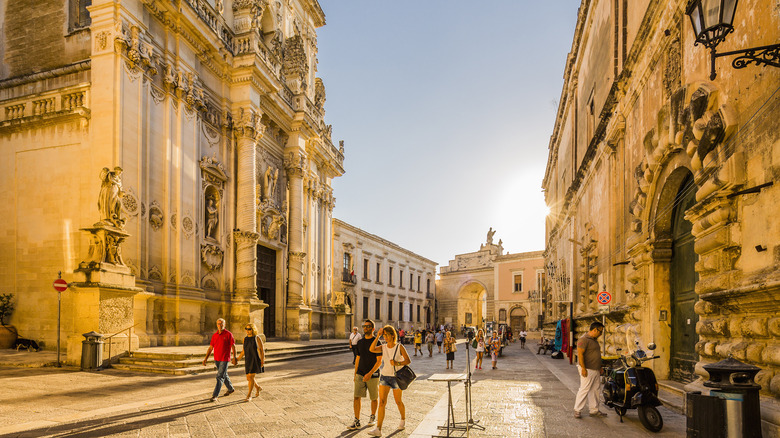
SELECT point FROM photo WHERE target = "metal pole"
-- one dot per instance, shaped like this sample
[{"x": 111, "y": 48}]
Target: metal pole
[
  {"x": 571, "y": 331},
  {"x": 59, "y": 314},
  {"x": 604, "y": 338}
]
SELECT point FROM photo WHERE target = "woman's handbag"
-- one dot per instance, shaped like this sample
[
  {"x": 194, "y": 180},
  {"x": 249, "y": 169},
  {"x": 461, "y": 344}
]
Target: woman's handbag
[
  {"x": 454, "y": 347},
  {"x": 405, "y": 376}
]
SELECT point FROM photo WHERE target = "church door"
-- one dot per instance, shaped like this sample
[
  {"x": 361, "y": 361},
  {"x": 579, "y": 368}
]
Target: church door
[
  {"x": 683, "y": 279},
  {"x": 266, "y": 287}
]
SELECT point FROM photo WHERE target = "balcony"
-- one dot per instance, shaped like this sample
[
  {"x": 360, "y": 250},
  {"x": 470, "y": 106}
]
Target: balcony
[
  {"x": 429, "y": 295},
  {"x": 347, "y": 277}
]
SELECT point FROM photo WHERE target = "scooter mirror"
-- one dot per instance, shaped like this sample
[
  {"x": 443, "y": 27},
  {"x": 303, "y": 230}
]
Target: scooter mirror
[{"x": 651, "y": 346}]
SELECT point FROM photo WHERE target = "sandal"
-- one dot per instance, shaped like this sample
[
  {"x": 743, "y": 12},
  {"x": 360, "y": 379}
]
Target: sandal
[{"x": 257, "y": 391}]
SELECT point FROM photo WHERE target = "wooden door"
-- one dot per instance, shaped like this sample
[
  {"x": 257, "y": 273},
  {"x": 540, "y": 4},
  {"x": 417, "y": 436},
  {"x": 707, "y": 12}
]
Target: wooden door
[
  {"x": 266, "y": 287},
  {"x": 683, "y": 279}
]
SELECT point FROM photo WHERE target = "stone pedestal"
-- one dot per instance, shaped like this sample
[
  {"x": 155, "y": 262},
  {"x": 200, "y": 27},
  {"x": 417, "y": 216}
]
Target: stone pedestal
[
  {"x": 343, "y": 325},
  {"x": 298, "y": 322},
  {"x": 243, "y": 313}
]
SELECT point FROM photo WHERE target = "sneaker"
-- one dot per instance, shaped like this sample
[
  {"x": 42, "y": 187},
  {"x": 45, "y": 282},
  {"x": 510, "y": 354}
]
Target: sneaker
[
  {"x": 375, "y": 432},
  {"x": 371, "y": 420},
  {"x": 402, "y": 425},
  {"x": 577, "y": 414},
  {"x": 598, "y": 414},
  {"x": 354, "y": 425},
  {"x": 213, "y": 399},
  {"x": 228, "y": 392}
]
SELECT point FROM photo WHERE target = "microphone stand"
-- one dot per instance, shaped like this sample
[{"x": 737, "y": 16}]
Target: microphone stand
[{"x": 470, "y": 422}]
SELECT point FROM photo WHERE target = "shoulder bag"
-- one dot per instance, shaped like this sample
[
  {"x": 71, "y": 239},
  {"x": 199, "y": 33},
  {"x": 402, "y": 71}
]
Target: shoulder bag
[{"x": 404, "y": 376}]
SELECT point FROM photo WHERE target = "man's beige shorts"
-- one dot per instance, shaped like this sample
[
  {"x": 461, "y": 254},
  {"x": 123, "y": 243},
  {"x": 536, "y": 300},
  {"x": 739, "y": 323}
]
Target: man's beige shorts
[{"x": 372, "y": 386}]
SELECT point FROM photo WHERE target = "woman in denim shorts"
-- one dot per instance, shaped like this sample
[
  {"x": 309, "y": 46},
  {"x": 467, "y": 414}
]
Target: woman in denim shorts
[{"x": 391, "y": 351}]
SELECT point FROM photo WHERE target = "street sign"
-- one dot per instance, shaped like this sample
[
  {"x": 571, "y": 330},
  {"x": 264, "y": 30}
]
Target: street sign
[
  {"x": 603, "y": 308},
  {"x": 604, "y": 297},
  {"x": 60, "y": 285}
]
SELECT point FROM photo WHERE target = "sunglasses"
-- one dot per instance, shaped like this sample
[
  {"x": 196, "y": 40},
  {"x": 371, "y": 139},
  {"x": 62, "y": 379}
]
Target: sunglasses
[{"x": 247, "y": 328}]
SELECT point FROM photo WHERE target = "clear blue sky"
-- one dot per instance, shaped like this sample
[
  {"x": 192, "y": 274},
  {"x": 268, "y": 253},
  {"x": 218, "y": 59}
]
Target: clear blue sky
[{"x": 446, "y": 108}]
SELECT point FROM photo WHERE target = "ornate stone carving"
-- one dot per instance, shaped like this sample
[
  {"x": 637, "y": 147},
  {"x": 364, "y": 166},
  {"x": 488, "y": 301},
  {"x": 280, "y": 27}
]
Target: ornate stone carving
[
  {"x": 156, "y": 216},
  {"x": 155, "y": 274},
  {"x": 174, "y": 221},
  {"x": 139, "y": 54},
  {"x": 188, "y": 226},
  {"x": 110, "y": 199},
  {"x": 211, "y": 256},
  {"x": 248, "y": 124},
  {"x": 319, "y": 93},
  {"x": 130, "y": 203},
  {"x": 295, "y": 164},
  {"x": 295, "y": 66}
]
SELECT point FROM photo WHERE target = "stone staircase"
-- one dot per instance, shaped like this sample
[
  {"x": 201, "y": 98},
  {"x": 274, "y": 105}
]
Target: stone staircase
[{"x": 184, "y": 360}]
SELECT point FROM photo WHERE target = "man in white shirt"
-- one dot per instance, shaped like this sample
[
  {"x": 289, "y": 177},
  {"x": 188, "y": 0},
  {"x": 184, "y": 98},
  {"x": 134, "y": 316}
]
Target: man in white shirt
[{"x": 354, "y": 337}]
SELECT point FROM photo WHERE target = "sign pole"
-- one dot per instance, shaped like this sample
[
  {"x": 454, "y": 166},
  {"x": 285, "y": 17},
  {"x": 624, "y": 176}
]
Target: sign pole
[{"x": 59, "y": 314}]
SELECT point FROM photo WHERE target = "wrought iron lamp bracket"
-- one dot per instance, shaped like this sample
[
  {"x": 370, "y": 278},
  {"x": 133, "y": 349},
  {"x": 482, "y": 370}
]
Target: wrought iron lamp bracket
[{"x": 764, "y": 55}]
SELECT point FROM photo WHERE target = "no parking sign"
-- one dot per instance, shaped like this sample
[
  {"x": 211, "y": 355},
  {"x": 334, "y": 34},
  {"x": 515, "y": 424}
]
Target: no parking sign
[{"x": 604, "y": 297}]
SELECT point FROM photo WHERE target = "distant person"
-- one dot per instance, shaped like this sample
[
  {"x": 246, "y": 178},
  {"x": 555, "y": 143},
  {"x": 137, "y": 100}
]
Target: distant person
[
  {"x": 255, "y": 357},
  {"x": 366, "y": 375},
  {"x": 439, "y": 339},
  {"x": 354, "y": 337},
  {"x": 495, "y": 346},
  {"x": 545, "y": 345},
  {"x": 589, "y": 366},
  {"x": 523, "y": 335},
  {"x": 449, "y": 348},
  {"x": 480, "y": 349},
  {"x": 430, "y": 339},
  {"x": 223, "y": 345},
  {"x": 391, "y": 351},
  {"x": 417, "y": 342}
]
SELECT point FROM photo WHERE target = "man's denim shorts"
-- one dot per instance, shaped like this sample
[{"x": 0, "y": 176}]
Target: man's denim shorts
[{"x": 389, "y": 381}]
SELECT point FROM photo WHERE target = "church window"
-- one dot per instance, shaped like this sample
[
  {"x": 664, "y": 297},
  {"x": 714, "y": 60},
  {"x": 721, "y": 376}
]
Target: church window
[{"x": 79, "y": 15}]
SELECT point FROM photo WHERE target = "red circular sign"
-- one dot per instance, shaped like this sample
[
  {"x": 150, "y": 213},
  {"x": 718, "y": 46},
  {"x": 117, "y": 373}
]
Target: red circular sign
[
  {"x": 60, "y": 285},
  {"x": 604, "y": 297}
]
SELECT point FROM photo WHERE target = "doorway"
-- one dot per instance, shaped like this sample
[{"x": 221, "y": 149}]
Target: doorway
[
  {"x": 517, "y": 319},
  {"x": 683, "y": 279},
  {"x": 266, "y": 287}
]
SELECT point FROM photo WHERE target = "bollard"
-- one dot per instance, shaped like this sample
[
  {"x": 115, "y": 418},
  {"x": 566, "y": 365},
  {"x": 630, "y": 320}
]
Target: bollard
[{"x": 91, "y": 351}]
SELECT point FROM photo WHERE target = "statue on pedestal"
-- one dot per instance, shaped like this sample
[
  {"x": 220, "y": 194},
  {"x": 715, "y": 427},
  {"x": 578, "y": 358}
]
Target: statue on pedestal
[
  {"x": 490, "y": 236},
  {"x": 110, "y": 199}
]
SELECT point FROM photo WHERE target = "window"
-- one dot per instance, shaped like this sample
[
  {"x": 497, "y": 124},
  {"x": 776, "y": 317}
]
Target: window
[
  {"x": 401, "y": 278},
  {"x": 540, "y": 280},
  {"x": 518, "y": 283},
  {"x": 400, "y": 311},
  {"x": 365, "y": 269},
  {"x": 411, "y": 282},
  {"x": 378, "y": 309},
  {"x": 418, "y": 313},
  {"x": 79, "y": 15},
  {"x": 502, "y": 315},
  {"x": 377, "y": 272},
  {"x": 418, "y": 283},
  {"x": 389, "y": 310},
  {"x": 428, "y": 285},
  {"x": 347, "y": 262},
  {"x": 365, "y": 307},
  {"x": 390, "y": 276}
]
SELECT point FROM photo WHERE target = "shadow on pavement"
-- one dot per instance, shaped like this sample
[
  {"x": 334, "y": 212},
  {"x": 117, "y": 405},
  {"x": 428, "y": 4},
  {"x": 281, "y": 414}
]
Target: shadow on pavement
[{"x": 107, "y": 425}]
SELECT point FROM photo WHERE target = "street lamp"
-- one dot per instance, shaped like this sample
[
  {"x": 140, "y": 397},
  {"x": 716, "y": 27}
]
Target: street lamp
[{"x": 712, "y": 21}]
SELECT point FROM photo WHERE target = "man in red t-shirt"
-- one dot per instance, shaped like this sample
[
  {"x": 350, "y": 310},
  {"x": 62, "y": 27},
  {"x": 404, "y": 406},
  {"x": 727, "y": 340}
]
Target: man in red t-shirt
[{"x": 223, "y": 345}]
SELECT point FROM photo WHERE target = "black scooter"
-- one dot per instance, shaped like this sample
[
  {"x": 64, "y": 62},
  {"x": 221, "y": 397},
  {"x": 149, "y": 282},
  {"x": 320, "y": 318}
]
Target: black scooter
[{"x": 629, "y": 385}]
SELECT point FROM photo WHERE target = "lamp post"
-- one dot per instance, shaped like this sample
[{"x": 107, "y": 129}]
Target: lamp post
[{"x": 712, "y": 21}]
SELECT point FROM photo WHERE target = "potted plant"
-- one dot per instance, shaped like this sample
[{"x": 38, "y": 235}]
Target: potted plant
[{"x": 8, "y": 333}]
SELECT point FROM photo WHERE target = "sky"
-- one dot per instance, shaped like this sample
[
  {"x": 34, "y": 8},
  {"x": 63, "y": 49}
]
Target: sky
[{"x": 445, "y": 108}]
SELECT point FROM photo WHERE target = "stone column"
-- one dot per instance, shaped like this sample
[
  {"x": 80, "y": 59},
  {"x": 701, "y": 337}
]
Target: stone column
[
  {"x": 248, "y": 131},
  {"x": 297, "y": 312}
]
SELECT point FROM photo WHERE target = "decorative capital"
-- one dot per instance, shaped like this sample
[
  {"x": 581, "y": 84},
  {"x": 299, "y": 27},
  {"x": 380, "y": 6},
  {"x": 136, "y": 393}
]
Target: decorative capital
[
  {"x": 245, "y": 237},
  {"x": 294, "y": 164},
  {"x": 248, "y": 125}
]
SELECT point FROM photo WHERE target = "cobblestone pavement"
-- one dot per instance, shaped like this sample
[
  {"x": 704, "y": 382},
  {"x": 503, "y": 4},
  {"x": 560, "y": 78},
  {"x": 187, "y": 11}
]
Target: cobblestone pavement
[{"x": 525, "y": 397}]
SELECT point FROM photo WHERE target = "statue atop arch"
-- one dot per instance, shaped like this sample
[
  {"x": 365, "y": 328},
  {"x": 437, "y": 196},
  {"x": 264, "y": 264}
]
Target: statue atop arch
[{"x": 490, "y": 234}]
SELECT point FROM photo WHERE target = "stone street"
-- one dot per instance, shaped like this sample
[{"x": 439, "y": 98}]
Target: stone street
[{"x": 527, "y": 396}]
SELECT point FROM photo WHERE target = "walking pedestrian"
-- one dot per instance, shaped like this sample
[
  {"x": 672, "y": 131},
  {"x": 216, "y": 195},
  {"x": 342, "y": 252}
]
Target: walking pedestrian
[
  {"x": 417, "y": 342},
  {"x": 366, "y": 375},
  {"x": 523, "y": 335},
  {"x": 589, "y": 366},
  {"x": 495, "y": 347},
  {"x": 429, "y": 339},
  {"x": 253, "y": 354},
  {"x": 439, "y": 339},
  {"x": 354, "y": 337},
  {"x": 480, "y": 349},
  {"x": 224, "y": 346},
  {"x": 391, "y": 351},
  {"x": 449, "y": 348}
]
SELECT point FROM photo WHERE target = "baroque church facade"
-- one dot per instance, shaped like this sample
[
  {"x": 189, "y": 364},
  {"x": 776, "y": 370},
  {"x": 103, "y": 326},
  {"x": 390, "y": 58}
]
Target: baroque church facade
[
  {"x": 661, "y": 183},
  {"x": 171, "y": 159}
]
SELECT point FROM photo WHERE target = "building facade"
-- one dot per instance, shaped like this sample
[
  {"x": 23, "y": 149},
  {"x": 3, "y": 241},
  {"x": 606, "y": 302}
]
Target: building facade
[
  {"x": 214, "y": 199},
  {"x": 488, "y": 285},
  {"x": 657, "y": 185},
  {"x": 376, "y": 279}
]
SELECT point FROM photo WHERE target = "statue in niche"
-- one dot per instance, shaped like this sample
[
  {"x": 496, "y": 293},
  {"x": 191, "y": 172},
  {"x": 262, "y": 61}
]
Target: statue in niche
[
  {"x": 110, "y": 199},
  {"x": 212, "y": 217},
  {"x": 270, "y": 179},
  {"x": 490, "y": 236}
]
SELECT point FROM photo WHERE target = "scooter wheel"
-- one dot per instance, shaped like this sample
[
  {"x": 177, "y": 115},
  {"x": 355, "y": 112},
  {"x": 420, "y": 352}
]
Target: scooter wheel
[{"x": 651, "y": 418}]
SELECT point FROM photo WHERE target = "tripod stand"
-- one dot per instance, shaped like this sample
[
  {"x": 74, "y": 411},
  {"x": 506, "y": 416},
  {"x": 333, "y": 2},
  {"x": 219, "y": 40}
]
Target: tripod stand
[{"x": 470, "y": 423}]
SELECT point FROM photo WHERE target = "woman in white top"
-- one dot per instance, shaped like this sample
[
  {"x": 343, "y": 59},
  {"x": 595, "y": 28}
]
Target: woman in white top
[
  {"x": 391, "y": 352},
  {"x": 480, "y": 349}
]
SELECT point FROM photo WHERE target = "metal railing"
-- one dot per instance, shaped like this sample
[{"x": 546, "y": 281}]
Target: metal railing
[
  {"x": 347, "y": 277},
  {"x": 129, "y": 341}
]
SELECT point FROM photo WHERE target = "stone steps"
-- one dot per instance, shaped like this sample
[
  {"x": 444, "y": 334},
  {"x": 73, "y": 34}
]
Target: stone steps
[{"x": 189, "y": 360}]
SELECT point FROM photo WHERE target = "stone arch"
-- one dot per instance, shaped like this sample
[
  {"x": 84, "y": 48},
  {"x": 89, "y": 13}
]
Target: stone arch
[{"x": 472, "y": 303}]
